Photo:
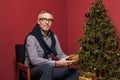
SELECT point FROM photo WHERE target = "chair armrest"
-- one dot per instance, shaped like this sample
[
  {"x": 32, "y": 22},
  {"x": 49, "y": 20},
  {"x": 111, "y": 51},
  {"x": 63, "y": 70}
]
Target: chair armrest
[{"x": 23, "y": 67}]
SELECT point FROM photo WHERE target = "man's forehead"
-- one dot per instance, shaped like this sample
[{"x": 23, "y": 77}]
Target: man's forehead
[{"x": 45, "y": 15}]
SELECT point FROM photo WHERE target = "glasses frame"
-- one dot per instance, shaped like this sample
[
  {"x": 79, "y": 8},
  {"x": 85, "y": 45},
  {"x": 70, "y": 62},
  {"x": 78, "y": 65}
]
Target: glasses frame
[{"x": 46, "y": 20}]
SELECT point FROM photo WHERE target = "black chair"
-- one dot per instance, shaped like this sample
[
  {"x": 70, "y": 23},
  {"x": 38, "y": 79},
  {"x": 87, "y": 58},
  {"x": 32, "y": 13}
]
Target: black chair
[{"x": 21, "y": 68}]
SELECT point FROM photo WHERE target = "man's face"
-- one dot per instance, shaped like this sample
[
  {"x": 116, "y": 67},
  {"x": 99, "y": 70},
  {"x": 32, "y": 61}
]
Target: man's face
[{"x": 45, "y": 21}]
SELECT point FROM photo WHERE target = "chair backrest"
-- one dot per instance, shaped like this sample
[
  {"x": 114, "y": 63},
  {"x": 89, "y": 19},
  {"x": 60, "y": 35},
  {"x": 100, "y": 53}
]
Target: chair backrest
[{"x": 20, "y": 53}]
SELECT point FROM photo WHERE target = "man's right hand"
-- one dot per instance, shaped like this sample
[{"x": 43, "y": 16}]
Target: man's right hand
[{"x": 63, "y": 62}]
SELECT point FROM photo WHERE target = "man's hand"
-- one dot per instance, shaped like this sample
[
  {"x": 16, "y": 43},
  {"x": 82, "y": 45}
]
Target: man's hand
[
  {"x": 63, "y": 62},
  {"x": 73, "y": 57}
]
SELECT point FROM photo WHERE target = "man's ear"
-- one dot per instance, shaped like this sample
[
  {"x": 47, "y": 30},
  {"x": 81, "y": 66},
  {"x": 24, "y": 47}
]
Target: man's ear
[{"x": 38, "y": 21}]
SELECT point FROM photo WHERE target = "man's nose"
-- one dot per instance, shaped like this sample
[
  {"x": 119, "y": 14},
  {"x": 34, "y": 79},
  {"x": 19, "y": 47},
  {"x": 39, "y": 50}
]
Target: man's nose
[{"x": 47, "y": 21}]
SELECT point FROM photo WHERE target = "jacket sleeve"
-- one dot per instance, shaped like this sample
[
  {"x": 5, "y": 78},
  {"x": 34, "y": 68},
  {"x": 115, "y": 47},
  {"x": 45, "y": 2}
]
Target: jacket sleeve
[
  {"x": 60, "y": 54},
  {"x": 34, "y": 54}
]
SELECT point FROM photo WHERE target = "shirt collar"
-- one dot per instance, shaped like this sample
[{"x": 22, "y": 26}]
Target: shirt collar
[{"x": 45, "y": 34}]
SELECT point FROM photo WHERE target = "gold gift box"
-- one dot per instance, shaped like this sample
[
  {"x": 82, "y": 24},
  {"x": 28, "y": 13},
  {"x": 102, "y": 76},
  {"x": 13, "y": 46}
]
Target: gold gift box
[
  {"x": 74, "y": 57},
  {"x": 87, "y": 76},
  {"x": 84, "y": 78}
]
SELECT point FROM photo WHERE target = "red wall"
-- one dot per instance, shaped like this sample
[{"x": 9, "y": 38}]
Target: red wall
[
  {"x": 75, "y": 20},
  {"x": 17, "y": 18},
  {"x": 76, "y": 10}
]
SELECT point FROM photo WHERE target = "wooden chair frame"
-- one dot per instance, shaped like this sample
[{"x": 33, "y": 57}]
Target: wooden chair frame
[{"x": 20, "y": 65}]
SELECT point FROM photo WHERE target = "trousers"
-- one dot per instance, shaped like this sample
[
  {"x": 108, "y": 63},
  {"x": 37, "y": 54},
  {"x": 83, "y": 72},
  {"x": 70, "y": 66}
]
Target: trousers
[{"x": 47, "y": 72}]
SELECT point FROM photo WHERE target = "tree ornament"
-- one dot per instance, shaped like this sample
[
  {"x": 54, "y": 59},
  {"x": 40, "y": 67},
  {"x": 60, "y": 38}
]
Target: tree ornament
[
  {"x": 106, "y": 33},
  {"x": 96, "y": 50},
  {"x": 87, "y": 15},
  {"x": 118, "y": 54},
  {"x": 83, "y": 45},
  {"x": 98, "y": 12},
  {"x": 94, "y": 68}
]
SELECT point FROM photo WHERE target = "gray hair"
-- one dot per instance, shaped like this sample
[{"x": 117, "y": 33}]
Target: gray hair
[{"x": 44, "y": 11}]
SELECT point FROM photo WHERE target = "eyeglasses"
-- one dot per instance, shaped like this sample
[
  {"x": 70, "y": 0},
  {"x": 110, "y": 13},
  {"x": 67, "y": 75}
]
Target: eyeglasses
[{"x": 45, "y": 20}]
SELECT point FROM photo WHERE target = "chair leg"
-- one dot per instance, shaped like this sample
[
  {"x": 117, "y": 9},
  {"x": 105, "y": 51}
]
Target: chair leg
[
  {"x": 28, "y": 73},
  {"x": 18, "y": 73}
]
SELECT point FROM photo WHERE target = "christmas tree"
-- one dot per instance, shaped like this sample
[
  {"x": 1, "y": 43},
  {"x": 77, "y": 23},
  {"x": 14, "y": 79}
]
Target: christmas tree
[{"x": 99, "y": 51}]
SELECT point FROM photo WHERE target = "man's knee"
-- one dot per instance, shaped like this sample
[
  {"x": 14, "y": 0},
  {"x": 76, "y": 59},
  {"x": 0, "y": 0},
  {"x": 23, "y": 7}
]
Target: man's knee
[
  {"x": 46, "y": 67},
  {"x": 38, "y": 70}
]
